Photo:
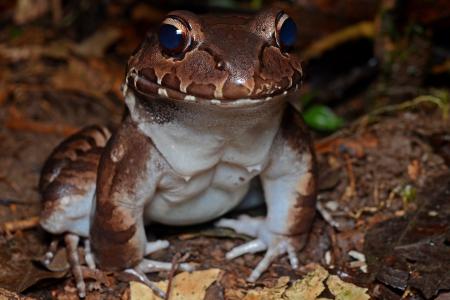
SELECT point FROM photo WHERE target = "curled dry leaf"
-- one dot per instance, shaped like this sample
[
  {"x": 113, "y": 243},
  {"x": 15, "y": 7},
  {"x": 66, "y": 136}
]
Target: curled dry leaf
[
  {"x": 185, "y": 286},
  {"x": 310, "y": 287},
  {"x": 344, "y": 290},
  {"x": 274, "y": 293}
]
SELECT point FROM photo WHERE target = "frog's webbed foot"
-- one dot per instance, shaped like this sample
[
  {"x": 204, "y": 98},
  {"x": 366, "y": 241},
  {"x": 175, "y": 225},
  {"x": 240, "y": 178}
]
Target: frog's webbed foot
[
  {"x": 151, "y": 247},
  {"x": 265, "y": 240}
]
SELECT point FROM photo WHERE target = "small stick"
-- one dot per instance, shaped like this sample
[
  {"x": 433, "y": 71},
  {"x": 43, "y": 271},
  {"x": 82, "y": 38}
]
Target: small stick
[
  {"x": 351, "y": 188},
  {"x": 176, "y": 260},
  {"x": 16, "y": 225}
]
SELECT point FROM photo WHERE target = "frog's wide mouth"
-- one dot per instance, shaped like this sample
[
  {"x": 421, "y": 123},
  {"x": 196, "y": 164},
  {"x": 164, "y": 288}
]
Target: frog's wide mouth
[{"x": 147, "y": 88}]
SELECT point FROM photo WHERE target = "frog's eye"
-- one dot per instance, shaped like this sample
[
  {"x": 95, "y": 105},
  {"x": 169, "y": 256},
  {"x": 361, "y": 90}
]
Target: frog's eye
[
  {"x": 285, "y": 31},
  {"x": 174, "y": 36}
]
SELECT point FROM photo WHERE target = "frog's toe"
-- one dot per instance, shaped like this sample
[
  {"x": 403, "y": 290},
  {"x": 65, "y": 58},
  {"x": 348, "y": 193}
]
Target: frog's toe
[
  {"x": 244, "y": 224},
  {"x": 274, "y": 244},
  {"x": 275, "y": 250},
  {"x": 149, "y": 266},
  {"x": 137, "y": 272},
  {"x": 51, "y": 252},
  {"x": 151, "y": 247},
  {"x": 250, "y": 247},
  {"x": 72, "y": 241},
  {"x": 88, "y": 255}
]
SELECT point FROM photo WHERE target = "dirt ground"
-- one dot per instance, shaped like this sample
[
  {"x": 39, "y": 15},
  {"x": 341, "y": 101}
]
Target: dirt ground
[{"x": 375, "y": 169}]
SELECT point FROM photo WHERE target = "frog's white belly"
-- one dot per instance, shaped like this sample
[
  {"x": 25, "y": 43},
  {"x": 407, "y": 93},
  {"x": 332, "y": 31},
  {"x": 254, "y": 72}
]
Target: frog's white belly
[
  {"x": 202, "y": 198},
  {"x": 209, "y": 155}
]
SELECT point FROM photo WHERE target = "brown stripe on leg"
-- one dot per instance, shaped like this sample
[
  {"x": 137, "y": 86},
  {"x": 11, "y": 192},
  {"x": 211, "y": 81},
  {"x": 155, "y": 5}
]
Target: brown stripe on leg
[{"x": 124, "y": 185}]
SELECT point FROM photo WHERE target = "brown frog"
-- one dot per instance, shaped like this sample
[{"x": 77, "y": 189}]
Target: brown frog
[{"x": 206, "y": 112}]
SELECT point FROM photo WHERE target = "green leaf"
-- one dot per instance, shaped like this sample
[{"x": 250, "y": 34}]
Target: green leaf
[
  {"x": 321, "y": 117},
  {"x": 15, "y": 32}
]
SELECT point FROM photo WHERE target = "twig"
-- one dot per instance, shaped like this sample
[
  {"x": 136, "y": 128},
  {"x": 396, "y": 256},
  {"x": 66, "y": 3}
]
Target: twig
[
  {"x": 441, "y": 103},
  {"x": 362, "y": 29},
  {"x": 176, "y": 260},
  {"x": 16, "y": 225},
  {"x": 351, "y": 187}
]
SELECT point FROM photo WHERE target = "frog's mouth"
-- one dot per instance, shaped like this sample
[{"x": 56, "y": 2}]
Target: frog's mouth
[{"x": 147, "y": 88}]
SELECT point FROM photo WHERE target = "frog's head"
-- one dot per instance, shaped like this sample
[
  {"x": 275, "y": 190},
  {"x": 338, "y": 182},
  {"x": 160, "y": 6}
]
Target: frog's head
[{"x": 222, "y": 60}]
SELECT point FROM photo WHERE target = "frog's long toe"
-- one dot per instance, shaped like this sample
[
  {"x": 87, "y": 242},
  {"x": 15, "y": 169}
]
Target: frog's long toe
[
  {"x": 151, "y": 247},
  {"x": 72, "y": 241},
  {"x": 143, "y": 278},
  {"x": 244, "y": 224},
  {"x": 88, "y": 255},
  {"x": 149, "y": 266}
]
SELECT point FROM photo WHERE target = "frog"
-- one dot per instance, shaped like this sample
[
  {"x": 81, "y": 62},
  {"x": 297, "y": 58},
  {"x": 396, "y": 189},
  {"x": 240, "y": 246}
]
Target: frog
[{"x": 206, "y": 113}]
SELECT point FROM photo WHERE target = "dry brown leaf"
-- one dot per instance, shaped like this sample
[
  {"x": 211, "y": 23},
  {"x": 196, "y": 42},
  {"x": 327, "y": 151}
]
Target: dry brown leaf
[
  {"x": 346, "y": 291},
  {"x": 185, "y": 286},
  {"x": 274, "y": 293},
  {"x": 310, "y": 287}
]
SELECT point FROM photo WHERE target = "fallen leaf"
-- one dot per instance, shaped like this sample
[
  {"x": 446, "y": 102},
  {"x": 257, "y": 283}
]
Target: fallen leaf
[
  {"x": 273, "y": 293},
  {"x": 344, "y": 290},
  {"x": 322, "y": 118},
  {"x": 17, "y": 270},
  {"x": 185, "y": 286},
  {"x": 310, "y": 287}
]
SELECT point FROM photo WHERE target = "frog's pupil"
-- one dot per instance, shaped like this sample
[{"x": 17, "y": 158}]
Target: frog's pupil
[
  {"x": 170, "y": 37},
  {"x": 288, "y": 33}
]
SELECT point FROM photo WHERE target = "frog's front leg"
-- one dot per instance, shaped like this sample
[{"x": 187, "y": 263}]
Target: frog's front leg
[
  {"x": 129, "y": 171},
  {"x": 289, "y": 185}
]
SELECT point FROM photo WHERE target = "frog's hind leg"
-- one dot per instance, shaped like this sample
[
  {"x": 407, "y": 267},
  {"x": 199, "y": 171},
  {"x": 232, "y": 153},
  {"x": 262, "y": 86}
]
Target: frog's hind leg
[
  {"x": 68, "y": 182},
  {"x": 67, "y": 185}
]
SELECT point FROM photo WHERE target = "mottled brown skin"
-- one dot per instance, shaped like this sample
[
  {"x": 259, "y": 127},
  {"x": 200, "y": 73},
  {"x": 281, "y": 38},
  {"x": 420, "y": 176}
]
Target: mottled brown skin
[
  {"x": 218, "y": 69},
  {"x": 297, "y": 135},
  {"x": 90, "y": 139},
  {"x": 234, "y": 64},
  {"x": 119, "y": 236},
  {"x": 70, "y": 171}
]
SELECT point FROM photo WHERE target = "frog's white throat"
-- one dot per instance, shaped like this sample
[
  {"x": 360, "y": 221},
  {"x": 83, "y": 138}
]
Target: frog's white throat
[{"x": 194, "y": 138}]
